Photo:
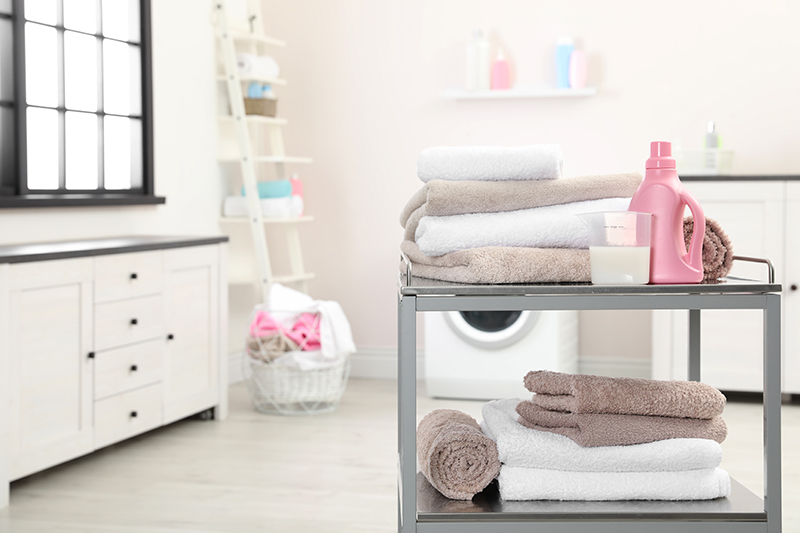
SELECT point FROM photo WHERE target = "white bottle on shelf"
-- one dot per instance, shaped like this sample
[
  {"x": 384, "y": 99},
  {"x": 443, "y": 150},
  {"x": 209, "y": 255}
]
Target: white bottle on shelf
[{"x": 479, "y": 62}]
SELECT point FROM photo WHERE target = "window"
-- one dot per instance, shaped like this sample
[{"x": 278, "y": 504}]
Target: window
[{"x": 75, "y": 103}]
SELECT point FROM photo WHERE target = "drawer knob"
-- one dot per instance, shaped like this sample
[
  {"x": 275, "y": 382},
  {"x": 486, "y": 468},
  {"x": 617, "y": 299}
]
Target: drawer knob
[
  {"x": 90, "y": 355},
  {"x": 134, "y": 321},
  {"x": 793, "y": 287},
  {"x": 134, "y": 275},
  {"x": 134, "y": 414},
  {"x": 170, "y": 336},
  {"x": 134, "y": 368}
]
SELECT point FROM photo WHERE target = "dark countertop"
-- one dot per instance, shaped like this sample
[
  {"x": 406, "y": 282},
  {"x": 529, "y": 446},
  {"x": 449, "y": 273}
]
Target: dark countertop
[
  {"x": 741, "y": 178},
  {"x": 47, "y": 251}
]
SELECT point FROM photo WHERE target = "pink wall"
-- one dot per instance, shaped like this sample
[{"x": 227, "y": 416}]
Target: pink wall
[{"x": 363, "y": 100}]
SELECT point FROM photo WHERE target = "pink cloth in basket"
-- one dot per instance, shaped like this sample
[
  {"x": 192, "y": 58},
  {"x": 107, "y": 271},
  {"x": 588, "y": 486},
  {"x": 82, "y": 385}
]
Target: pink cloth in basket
[{"x": 305, "y": 332}]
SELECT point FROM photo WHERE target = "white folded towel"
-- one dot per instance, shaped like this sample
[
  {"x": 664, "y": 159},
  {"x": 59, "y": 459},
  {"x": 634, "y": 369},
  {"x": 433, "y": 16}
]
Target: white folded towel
[
  {"x": 257, "y": 66},
  {"x": 517, "y": 483},
  {"x": 492, "y": 163},
  {"x": 519, "y": 446},
  {"x": 289, "y": 206},
  {"x": 554, "y": 226}
]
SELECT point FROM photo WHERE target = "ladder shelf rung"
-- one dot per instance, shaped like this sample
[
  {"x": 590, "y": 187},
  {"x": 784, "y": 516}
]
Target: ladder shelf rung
[
  {"x": 267, "y": 220},
  {"x": 261, "y": 79},
  {"x": 257, "y": 119},
  {"x": 269, "y": 159},
  {"x": 290, "y": 278},
  {"x": 253, "y": 37}
]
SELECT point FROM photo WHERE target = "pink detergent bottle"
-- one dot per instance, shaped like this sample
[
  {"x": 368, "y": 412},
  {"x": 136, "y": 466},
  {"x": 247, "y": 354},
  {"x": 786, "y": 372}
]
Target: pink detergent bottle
[{"x": 662, "y": 194}]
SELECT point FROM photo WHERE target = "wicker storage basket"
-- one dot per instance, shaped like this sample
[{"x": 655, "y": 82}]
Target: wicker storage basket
[{"x": 267, "y": 107}]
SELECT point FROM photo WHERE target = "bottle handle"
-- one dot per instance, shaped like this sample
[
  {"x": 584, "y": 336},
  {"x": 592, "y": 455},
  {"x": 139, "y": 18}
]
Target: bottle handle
[{"x": 695, "y": 254}]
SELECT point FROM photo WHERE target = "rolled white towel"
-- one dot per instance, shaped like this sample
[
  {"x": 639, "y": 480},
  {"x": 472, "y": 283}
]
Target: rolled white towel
[
  {"x": 554, "y": 226},
  {"x": 257, "y": 66},
  {"x": 492, "y": 163},
  {"x": 516, "y": 483},
  {"x": 532, "y": 449}
]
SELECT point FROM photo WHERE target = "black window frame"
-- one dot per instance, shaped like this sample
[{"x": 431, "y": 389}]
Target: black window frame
[{"x": 16, "y": 194}]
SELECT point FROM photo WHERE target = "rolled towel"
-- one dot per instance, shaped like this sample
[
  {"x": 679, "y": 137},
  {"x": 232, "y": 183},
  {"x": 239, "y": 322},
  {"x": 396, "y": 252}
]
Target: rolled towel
[
  {"x": 579, "y": 393},
  {"x": 492, "y": 163},
  {"x": 453, "y": 454},
  {"x": 496, "y": 265},
  {"x": 257, "y": 66},
  {"x": 517, "y": 483},
  {"x": 442, "y": 198},
  {"x": 592, "y": 429},
  {"x": 717, "y": 248},
  {"x": 554, "y": 226},
  {"x": 518, "y": 445}
]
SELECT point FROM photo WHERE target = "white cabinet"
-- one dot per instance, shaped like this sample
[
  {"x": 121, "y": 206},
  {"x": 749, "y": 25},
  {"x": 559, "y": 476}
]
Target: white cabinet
[
  {"x": 758, "y": 216},
  {"x": 97, "y": 349}
]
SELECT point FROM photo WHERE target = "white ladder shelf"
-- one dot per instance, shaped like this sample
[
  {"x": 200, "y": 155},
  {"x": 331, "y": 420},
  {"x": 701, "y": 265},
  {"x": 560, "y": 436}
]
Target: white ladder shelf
[{"x": 228, "y": 37}]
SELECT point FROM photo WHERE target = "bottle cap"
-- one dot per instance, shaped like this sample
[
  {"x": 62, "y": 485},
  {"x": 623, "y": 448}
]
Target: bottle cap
[{"x": 660, "y": 155}]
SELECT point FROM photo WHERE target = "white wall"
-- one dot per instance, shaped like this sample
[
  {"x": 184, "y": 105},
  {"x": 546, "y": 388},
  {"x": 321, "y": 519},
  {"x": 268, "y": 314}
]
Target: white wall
[
  {"x": 186, "y": 171},
  {"x": 362, "y": 99}
]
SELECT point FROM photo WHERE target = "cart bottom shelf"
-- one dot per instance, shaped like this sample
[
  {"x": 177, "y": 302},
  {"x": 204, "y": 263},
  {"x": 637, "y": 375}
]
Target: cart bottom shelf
[{"x": 432, "y": 507}]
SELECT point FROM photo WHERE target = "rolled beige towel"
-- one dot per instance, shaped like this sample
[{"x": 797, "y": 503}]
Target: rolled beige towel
[
  {"x": 717, "y": 248},
  {"x": 592, "y": 429},
  {"x": 581, "y": 393},
  {"x": 454, "y": 456}
]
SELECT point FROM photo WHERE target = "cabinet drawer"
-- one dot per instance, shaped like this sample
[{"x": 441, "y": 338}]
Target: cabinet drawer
[
  {"x": 126, "y": 322},
  {"x": 125, "y": 415},
  {"x": 127, "y": 368},
  {"x": 122, "y": 276}
]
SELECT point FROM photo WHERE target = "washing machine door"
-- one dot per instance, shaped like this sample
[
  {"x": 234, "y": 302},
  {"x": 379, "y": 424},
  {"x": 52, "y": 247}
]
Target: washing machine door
[{"x": 491, "y": 330}]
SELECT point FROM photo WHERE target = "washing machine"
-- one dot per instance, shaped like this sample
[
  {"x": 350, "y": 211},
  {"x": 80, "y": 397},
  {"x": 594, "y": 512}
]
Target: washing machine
[{"x": 484, "y": 355}]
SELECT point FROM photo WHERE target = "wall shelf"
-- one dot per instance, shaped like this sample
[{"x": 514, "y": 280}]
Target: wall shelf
[{"x": 528, "y": 92}]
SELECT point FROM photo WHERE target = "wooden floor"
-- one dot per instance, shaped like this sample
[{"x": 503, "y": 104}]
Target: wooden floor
[{"x": 331, "y": 473}]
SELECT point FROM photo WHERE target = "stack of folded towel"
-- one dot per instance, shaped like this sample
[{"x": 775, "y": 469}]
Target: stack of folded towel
[
  {"x": 595, "y": 438},
  {"x": 504, "y": 215}
]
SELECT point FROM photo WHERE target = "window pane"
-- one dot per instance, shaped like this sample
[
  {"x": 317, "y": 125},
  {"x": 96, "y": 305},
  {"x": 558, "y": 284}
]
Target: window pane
[
  {"x": 81, "y": 150},
  {"x": 42, "y": 148},
  {"x": 7, "y": 147},
  {"x": 6, "y": 60},
  {"x": 41, "y": 66},
  {"x": 80, "y": 15},
  {"x": 80, "y": 71},
  {"x": 43, "y": 11},
  {"x": 121, "y": 19},
  {"x": 122, "y": 78},
  {"x": 117, "y": 155}
]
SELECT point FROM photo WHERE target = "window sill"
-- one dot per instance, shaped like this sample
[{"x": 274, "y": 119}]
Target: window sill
[{"x": 78, "y": 200}]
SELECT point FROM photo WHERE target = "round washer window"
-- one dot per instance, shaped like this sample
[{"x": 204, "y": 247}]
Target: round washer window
[
  {"x": 490, "y": 320},
  {"x": 491, "y": 330}
]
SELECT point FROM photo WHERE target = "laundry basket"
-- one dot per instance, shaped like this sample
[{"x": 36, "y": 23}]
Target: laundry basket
[{"x": 284, "y": 370}]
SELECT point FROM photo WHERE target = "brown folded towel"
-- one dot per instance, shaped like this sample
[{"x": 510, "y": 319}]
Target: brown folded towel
[
  {"x": 592, "y": 429},
  {"x": 717, "y": 248},
  {"x": 578, "y": 393},
  {"x": 443, "y": 197},
  {"x": 501, "y": 264},
  {"x": 454, "y": 456}
]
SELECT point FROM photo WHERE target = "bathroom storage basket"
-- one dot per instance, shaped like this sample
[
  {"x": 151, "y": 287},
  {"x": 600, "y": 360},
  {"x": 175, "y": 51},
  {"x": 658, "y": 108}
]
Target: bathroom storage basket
[
  {"x": 267, "y": 107},
  {"x": 276, "y": 383}
]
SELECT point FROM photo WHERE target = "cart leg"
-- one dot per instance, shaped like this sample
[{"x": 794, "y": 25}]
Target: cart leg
[
  {"x": 694, "y": 344},
  {"x": 772, "y": 412},
  {"x": 407, "y": 413}
]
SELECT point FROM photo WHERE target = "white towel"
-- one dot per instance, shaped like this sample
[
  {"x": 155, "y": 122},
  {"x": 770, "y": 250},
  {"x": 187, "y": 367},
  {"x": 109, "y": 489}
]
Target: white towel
[
  {"x": 516, "y": 483},
  {"x": 519, "y": 446},
  {"x": 554, "y": 226},
  {"x": 251, "y": 65},
  {"x": 492, "y": 163}
]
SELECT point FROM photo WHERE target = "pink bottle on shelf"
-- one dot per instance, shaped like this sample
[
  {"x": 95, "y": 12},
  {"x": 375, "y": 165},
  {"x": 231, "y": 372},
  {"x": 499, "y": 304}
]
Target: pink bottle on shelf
[{"x": 662, "y": 194}]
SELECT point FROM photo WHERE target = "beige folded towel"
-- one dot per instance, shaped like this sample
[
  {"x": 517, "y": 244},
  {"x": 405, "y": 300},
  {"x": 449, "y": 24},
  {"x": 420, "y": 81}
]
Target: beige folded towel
[
  {"x": 593, "y": 429},
  {"x": 453, "y": 454},
  {"x": 498, "y": 264},
  {"x": 717, "y": 248},
  {"x": 577, "y": 393},
  {"x": 442, "y": 198}
]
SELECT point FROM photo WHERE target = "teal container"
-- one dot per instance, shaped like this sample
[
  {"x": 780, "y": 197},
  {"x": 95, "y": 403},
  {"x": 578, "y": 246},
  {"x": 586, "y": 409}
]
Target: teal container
[{"x": 273, "y": 189}]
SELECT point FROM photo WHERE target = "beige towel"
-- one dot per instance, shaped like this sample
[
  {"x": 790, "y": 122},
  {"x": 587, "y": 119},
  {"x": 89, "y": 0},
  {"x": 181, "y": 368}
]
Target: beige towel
[
  {"x": 453, "y": 454},
  {"x": 497, "y": 264},
  {"x": 592, "y": 429},
  {"x": 717, "y": 248},
  {"x": 442, "y": 198},
  {"x": 577, "y": 393}
]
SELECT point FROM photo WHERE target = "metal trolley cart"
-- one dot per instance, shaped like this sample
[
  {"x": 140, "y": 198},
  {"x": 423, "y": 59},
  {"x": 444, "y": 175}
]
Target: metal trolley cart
[{"x": 422, "y": 509}]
